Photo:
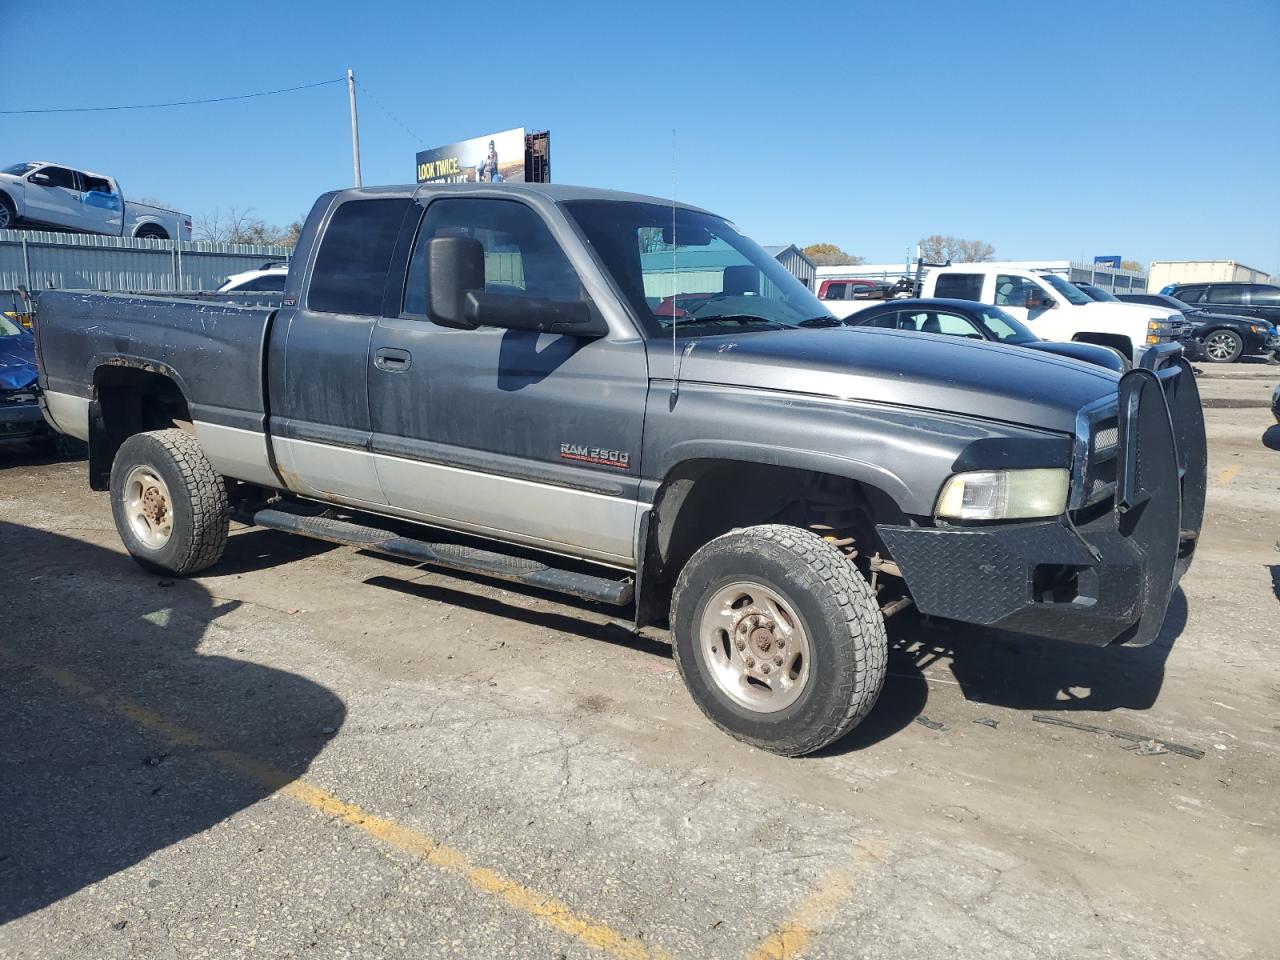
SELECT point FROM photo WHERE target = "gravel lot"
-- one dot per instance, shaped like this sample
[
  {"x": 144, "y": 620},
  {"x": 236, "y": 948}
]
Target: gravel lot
[{"x": 316, "y": 752}]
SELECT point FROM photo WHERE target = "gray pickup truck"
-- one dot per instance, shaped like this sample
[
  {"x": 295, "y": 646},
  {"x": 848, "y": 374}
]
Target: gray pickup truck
[{"x": 626, "y": 400}]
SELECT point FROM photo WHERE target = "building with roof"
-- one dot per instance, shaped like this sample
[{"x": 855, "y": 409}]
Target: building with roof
[{"x": 797, "y": 264}]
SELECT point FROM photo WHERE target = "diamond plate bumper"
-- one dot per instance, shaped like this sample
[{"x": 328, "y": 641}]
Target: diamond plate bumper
[{"x": 1105, "y": 581}]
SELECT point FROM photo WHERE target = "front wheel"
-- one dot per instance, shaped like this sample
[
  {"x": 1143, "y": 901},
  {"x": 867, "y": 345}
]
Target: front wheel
[
  {"x": 1223, "y": 346},
  {"x": 778, "y": 637},
  {"x": 170, "y": 506}
]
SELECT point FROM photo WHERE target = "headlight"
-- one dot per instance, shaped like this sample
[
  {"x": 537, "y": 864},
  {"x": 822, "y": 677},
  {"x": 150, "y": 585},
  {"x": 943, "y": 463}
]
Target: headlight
[
  {"x": 1004, "y": 495},
  {"x": 1255, "y": 328}
]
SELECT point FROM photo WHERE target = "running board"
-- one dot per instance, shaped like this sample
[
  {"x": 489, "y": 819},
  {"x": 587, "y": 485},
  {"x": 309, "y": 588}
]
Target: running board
[{"x": 453, "y": 556}]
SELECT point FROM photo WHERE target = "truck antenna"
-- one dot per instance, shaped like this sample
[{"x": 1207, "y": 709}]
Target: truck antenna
[{"x": 675, "y": 367}]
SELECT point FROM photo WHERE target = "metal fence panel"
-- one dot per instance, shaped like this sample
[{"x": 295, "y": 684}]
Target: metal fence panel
[{"x": 39, "y": 260}]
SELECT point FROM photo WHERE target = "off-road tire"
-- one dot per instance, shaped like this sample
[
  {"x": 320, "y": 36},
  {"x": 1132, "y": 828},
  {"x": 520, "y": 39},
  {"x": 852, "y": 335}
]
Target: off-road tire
[
  {"x": 1227, "y": 338},
  {"x": 152, "y": 233},
  {"x": 198, "y": 500},
  {"x": 839, "y": 611}
]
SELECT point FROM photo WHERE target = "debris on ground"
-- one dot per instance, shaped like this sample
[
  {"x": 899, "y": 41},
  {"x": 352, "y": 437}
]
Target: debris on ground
[
  {"x": 931, "y": 724},
  {"x": 1138, "y": 738},
  {"x": 988, "y": 722}
]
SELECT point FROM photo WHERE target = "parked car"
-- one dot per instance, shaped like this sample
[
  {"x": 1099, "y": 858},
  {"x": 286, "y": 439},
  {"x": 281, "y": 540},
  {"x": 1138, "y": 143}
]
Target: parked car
[
  {"x": 1226, "y": 337},
  {"x": 1055, "y": 309},
  {"x": 50, "y": 195},
  {"x": 979, "y": 321},
  {"x": 268, "y": 278},
  {"x": 771, "y": 489},
  {"x": 1261, "y": 300},
  {"x": 20, "y": 417}
]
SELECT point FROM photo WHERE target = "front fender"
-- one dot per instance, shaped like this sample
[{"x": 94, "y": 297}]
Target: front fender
[{"x": 904, "y": 452}]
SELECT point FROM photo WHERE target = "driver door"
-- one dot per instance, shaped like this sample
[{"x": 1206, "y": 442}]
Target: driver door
[
  {"x": 528, "y": 437},
  {"x": 53, "y": 197}
]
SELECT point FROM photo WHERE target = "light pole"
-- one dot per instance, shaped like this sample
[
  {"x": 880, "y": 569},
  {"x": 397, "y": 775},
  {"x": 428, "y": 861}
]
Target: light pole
[{"x": 355, "y": 128}]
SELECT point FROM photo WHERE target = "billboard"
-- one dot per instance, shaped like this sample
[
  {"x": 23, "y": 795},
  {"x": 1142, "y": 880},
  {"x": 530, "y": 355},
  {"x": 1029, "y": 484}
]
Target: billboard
[{"x": 512, "y": 156}]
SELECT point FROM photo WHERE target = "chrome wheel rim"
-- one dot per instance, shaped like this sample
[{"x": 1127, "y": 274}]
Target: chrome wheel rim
[
  {"x": 6, "y": 218},
  {"x": 1220, "y": 346},
  {"x": 754, "y": 646},
  {"x": 148, "y": 507}
]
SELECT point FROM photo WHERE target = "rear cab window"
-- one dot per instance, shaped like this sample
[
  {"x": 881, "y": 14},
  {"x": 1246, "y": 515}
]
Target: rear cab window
[
  {"x": 958, "y": 286},
  {"x": 354, "y": 258}
]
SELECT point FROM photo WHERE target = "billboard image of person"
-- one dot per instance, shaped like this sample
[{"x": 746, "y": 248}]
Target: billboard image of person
[{"x": 496, "y": 158}]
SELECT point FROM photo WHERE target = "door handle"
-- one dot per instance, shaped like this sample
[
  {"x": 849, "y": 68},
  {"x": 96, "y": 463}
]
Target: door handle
[{"x": 392, "y": 360}]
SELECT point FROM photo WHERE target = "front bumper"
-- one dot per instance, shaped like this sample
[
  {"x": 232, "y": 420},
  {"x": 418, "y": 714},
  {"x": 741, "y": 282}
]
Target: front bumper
[{"x": 1105, "y": 579}]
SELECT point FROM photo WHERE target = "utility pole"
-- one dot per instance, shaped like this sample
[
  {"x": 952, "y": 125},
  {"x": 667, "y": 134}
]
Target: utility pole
[{"x": 355, "y": 128}]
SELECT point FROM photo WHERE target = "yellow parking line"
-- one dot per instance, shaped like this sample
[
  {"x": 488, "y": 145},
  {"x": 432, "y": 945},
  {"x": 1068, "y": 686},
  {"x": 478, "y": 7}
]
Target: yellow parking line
[
  {"x": 789, "y": 939},
  {"x": 1229, "y": 474},
  {"x": 549, "y": 910}
]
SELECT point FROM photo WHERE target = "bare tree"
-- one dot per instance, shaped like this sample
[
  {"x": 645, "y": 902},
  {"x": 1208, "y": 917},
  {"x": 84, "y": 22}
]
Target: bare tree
[
  {"x": 937, "y": 248},
  {"x": 238, "y": 225},
  {"x": 1131, "y": 265},
  {"x": 829, "y": 255}
]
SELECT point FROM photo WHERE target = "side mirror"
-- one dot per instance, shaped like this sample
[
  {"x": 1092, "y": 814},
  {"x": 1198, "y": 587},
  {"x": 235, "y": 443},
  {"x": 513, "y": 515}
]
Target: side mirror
[
  {"x": 540, "y": 315},
  {"x": 455, "y": 267},
  {"x": 41, "y": 178}
]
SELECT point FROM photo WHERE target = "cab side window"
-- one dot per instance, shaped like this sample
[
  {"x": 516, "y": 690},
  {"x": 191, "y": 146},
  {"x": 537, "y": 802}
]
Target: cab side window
[
  {"x": 92, "y": 184},
  {"x": 1013, "y": 291},
  {"x": 58, "y": 177},
  {"x": 520, "y": 254},
  {"x": 355, "y": 256},
  {"x": 958, "y": 286}
]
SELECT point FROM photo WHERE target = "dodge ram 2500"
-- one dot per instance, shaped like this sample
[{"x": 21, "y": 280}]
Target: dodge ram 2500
[{"x": 493, "y": 363}]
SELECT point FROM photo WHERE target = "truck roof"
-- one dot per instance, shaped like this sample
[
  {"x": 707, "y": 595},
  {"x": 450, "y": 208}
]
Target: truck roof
[{"x": 555, "y": 192}]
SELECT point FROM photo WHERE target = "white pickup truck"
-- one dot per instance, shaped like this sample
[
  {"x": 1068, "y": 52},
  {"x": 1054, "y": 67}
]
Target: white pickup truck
[
  {"x": 1055, "y": 309},
  {"x": 63, "y": 198}
]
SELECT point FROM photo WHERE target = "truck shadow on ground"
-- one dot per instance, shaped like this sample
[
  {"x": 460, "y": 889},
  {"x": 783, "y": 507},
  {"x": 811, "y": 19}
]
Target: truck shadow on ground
[
  {"x": 1026, "y": 673},
  {"x": 96, "y": 657}
]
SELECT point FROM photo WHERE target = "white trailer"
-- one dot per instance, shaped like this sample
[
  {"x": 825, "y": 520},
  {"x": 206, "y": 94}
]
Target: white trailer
[{"x": 1165, "y": 272}]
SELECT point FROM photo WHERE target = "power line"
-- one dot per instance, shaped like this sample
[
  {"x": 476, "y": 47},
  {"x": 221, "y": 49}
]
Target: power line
[
  {"x": 179, "y": 103},
  {"x": 378, "y": 103}
]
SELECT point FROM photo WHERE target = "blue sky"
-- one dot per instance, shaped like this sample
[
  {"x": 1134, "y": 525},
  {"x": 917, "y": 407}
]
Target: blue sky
[{"x": 1049, "y": 130}]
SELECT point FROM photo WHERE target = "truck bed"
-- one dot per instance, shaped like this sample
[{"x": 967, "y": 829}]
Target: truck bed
[{"x": 213, "y": 351}]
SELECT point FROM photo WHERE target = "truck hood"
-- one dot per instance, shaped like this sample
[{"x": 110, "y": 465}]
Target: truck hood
[
  {"x": 987, "y": 381},
  {"x": 17, "y": 362},
  {"x": 1132, "y": 311}
]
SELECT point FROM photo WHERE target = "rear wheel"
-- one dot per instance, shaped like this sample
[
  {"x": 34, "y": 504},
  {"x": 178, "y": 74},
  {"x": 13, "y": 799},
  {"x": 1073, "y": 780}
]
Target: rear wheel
[
  {"x": 1223, "y": 346},
  {"x": 169, "y": 504},
  {"x": 152, "y": 233},
  {"x": 778, "y": 637}
]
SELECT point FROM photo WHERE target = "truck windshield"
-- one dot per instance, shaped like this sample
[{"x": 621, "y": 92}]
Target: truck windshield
[
  {"x": 698, "y": 274},
  {"x": 1071, "y": 293},
  {"x": 18, "y": 169}
]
